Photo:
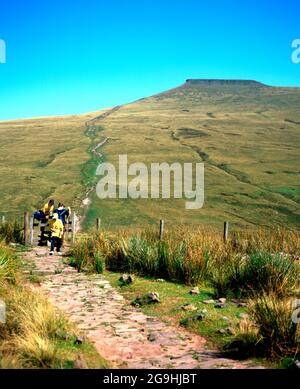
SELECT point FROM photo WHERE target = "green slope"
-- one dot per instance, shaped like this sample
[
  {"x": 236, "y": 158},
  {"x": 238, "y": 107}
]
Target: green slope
[{"x": 247, "y": 134}]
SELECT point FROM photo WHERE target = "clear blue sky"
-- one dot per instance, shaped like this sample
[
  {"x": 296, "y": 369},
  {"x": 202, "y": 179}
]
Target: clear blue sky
[{"x": 78, "y": 56}]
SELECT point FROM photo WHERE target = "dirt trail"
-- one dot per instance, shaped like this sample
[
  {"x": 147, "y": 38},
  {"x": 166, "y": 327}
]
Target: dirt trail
[
  {"x": 90, "y": 127},
  {"x": 102, "y": 116},
  {"x": 122, "y": 334}
]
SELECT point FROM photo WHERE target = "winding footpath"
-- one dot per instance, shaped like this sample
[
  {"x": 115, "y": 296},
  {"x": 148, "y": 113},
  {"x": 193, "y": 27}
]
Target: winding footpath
[
  {"x": 122, "y": 334},
  {"x": 90, "y": 127}
]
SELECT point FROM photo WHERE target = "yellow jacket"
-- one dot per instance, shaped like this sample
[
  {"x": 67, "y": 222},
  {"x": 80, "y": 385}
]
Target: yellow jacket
[
  {"x": 56, "y": 228},
  {"x": 47, "y": 209}
]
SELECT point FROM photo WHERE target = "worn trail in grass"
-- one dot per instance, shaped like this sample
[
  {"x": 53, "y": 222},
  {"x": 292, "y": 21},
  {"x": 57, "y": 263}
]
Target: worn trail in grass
[{"x": 123, "y": 335}]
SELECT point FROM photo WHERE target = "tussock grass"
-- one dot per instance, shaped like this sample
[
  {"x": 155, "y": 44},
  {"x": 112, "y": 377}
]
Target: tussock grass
[
  {"x": 269, "y": 332},
  {"x": 8, "y": 266},
  {"x": 32, "y": 328},
  {"x": 88, "y": 253},
  {"x": 11, "y": 232},
  {"x": 278, "y": 333},
  {"x": 249, "y": 263},
  {"x": 244, "y": 276},
  {"x": 33, "y": 325}
]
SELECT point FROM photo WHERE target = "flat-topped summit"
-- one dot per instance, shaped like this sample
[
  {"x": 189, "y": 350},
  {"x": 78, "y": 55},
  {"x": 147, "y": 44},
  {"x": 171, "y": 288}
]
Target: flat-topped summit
[{"x": 216, "y": 82}]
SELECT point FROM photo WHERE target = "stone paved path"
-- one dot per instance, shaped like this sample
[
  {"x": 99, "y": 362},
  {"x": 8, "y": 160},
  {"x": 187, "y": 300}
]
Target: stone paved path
[{"x": 121, "y": 333}]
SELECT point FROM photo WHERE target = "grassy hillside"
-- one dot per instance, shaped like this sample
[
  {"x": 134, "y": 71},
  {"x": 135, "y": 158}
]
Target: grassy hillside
[
  {"x": 247, "y": 134},
  {"x": 42, "y": 158}
]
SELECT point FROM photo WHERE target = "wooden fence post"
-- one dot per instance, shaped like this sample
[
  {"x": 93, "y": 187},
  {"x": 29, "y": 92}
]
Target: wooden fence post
[
  {"x": 226, "y": 229},
  {"x": 26, "y": 228},
  {"x": 31, "y": 230},
  {"x": 161, "y": 229},
  {"x": 73, "y": 227},
  {"x": 98, "y": 224},
  {"x": 67, "y": 226}
]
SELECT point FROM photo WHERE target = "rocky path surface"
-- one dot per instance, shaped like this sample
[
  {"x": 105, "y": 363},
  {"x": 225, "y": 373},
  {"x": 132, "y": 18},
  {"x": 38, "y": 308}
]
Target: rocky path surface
[{"x": 122, "y": 334}]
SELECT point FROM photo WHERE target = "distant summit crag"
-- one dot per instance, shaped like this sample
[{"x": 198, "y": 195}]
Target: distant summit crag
[{"x": 217, "y": 82}]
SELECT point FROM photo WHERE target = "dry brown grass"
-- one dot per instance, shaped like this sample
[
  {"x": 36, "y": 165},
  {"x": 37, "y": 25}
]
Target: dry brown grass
[{"x": 35, "y": 334}]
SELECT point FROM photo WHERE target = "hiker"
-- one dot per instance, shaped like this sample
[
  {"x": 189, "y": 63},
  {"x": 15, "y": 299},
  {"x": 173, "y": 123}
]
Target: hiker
[
  {"x": 44, "y": 214},
  {"x": 62, "y": 212},
  {"x": 57, "y": 230}
]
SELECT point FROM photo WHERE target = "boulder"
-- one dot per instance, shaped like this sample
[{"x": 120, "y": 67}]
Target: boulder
[
  {"x": 195, "y": 291},
  {"x": 126, "y": 279},
  {"x": 242, "y": 305},
  {"x": 297, "y": 364},
  {"x": 80, "y": 363},
  {"x": 243, "y": 315},
  {"x": 79, "y": 340},
  {"x": 220, "y": 306},
  {"x": 200, "y": 316},
  {"x": 154, "y": 297},
  {"x": 150, "y": 298},
  {"x": 208, "y": 302},
  {"x": 189, "y": 307},
  {"x": 226, "y": 331},
  {"x": 225, "y": 318},
  {"x": 151, "y": 337}
]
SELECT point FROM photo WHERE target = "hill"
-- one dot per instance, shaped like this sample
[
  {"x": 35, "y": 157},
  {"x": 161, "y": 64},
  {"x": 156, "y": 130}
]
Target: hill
[{"x": 247, "y": 134}]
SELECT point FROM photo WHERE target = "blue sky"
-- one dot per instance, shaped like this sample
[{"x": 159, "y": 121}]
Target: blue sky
[{"x": 73, "y": 56}]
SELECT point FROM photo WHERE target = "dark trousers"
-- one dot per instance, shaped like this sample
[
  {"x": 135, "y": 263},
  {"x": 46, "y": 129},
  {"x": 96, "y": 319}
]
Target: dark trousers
[
  {"x": 56, "y": 242},
  {"x": 40, "y": 216}
]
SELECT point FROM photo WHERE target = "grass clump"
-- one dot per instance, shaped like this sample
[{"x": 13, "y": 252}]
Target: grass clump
[
  {"x": 260, "y": 272},
  {"x": 8, "y": 266},
  {"x": 11, "y": 232},
  {"x": 88, "y": 253},
  {"x": 33, "y": 325},
  {"x": 269, "y": 332},
  {"x": 166, "y": 259},
  {"x": 235, "y": 268},
  {"x": 276, "y": 329}
]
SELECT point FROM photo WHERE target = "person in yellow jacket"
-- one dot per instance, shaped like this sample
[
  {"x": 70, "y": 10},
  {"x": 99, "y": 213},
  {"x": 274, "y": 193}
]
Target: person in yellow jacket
[
  {"x": 57, "y": 231},
  {"x": 44, "y": 213},
  {"x": 48, "y": 208}
]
